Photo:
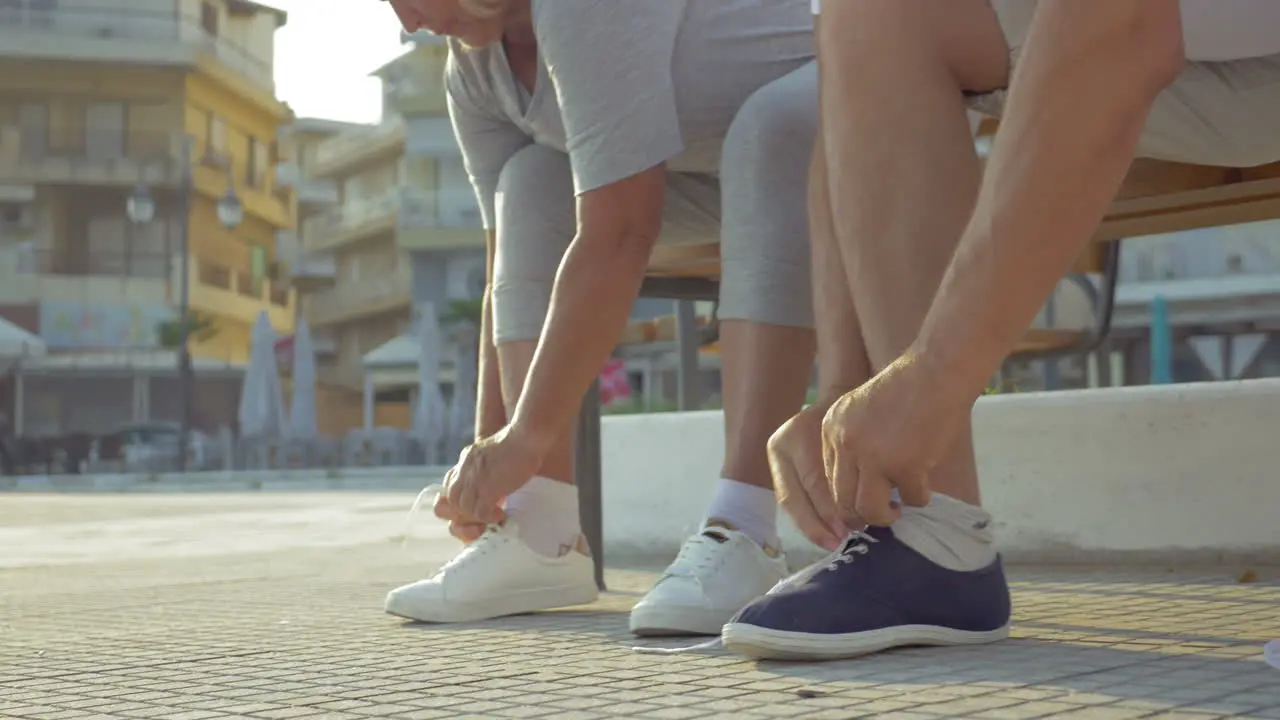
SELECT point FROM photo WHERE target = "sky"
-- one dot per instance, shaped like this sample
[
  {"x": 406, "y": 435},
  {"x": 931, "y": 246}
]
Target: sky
[{"x": 324, "y": 55}]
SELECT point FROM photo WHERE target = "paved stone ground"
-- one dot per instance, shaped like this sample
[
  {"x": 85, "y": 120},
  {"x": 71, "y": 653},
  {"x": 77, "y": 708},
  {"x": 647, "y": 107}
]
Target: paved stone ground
[{"x": 194, "y": 607}]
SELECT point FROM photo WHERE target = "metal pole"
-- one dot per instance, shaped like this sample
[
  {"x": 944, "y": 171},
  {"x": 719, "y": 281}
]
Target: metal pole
[
  {"x": 687, "y": 352},
  {"x": 184, "y": 309}
]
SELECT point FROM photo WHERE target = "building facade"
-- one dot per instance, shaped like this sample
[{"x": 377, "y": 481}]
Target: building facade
[
  {"x": 102, "y": 100},
  {"x": 394, "y": 225}
]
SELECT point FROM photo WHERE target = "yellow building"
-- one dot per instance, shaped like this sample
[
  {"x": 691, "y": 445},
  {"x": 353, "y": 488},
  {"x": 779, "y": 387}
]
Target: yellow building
[{"x": 99, "y": 99}]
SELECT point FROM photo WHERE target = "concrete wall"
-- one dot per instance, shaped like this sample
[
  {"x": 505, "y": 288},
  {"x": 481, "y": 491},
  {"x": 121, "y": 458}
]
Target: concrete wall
[{"x": 1175, "y": 472}]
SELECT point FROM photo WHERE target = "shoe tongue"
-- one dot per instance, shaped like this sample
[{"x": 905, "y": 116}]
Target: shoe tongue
[{"x": 718, "y": 530}]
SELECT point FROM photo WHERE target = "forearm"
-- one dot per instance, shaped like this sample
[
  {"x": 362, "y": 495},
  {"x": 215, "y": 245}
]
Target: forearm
[
  {"x": 596, "y": 287},
  {"x": 1075, "y": 113},
  {"x": 491, "y": 413},
  {"x": 842, "y": 361}
]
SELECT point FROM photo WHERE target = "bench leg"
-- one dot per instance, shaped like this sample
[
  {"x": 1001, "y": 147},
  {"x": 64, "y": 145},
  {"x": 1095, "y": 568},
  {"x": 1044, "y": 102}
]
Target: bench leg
[
  {"x": 687, "y": 348},
  {"x": 587, "y": 471}
]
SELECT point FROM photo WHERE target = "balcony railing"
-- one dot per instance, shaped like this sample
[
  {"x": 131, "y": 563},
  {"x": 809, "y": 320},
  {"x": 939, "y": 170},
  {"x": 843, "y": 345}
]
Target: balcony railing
[
  {"x": 354, "y": 299},
  {"x": 349, "y": 147},
  {"x": 451, "y": 209},
  {"x": 88, "y": 28},
  {"x": 349, "y": 221},
  {"x": 96, "y": 264},
  {"x": 42, "y": 153}
]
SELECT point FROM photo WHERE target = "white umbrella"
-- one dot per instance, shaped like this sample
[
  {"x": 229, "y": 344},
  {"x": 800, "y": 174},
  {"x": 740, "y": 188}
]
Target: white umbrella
[
  {"x": 302, "y": 411},
  {"x": 18, "y": 343},
  {"x": 429, "y": 414},
  {"x": 462, "y": 411},
  {"x": 261, "y": 398}
]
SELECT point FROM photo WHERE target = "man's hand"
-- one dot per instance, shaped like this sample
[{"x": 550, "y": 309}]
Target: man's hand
[
  {"x": 487, "y": 472},
  {"x": 800, "y": 481},
  {"x": 887, "y": 434}
]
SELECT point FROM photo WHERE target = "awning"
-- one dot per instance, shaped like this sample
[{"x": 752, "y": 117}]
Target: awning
[{"x": 18, "y": 343}]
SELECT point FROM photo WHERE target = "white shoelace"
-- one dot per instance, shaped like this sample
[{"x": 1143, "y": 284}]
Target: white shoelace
[{"x": 413, "y": 511}]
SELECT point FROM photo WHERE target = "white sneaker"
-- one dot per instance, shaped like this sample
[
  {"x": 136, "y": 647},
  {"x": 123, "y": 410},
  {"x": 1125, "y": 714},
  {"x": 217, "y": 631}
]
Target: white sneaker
[
  {"x": 717, "y": 572},
  {"x": 494, "y": 576}
]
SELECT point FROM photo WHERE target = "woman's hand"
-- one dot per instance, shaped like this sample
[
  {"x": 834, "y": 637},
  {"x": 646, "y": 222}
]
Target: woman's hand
[
  {"x": 800, "y": 480},
  {"x": 487, "y": 472},
  {"x": 887, "y": 434}
]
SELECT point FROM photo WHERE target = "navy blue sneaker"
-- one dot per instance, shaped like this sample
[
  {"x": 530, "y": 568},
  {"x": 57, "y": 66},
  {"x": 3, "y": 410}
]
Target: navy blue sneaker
[{"x": 875, "y": 594}]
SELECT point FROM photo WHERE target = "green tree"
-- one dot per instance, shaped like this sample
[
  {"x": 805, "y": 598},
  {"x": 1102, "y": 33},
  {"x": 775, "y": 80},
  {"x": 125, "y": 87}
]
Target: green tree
[
  {"x": 199, "y": 327},
  {"x": 460, "y": 311}
]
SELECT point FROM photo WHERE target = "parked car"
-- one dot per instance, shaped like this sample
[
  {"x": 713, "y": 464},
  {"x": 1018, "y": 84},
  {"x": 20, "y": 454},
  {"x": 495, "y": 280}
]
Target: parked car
[{"x": 154, "y": 445}]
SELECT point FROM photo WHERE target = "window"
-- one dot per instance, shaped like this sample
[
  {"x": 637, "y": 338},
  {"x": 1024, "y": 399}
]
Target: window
[
  {"x": 252, "y": 176},
  {"x": 209, "y": 18},
  {"x": 215, "y": 140},
  {"x": 258, "y": 266}
]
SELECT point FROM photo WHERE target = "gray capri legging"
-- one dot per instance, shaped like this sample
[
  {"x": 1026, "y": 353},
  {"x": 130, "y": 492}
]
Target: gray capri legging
[{"x": 757, "y": 207}]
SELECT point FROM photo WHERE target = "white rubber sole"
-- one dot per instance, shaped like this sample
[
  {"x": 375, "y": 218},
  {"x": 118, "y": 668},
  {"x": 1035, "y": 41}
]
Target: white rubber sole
[
  {"x": 510, "y": 603},
  {"x": 768, "y": 644},
  {"x": 659, "y": 621}
]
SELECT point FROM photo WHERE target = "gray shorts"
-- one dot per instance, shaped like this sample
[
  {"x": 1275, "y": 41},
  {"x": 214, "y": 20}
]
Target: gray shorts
[
  {"x": 756, "y": 209},
  {"x": 1215, "y": 113}
]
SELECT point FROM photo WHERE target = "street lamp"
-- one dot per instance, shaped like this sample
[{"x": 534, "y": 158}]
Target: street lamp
[{"x": 141, "y": 209}]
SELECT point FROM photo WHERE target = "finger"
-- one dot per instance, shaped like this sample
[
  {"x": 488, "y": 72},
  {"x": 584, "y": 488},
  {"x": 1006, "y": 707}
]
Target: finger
[
  {"x": 818, "y": 491},
  {"x": 843, "y": 481},
  {"x": 467, "y": 532},
  {"x": 914, "y": 490},
  {"x": 874, "y": 501},
  {"x": 455, "y": 481},
  {"x": 795, "y": 501},
  {"x": 444, "y": 509}
]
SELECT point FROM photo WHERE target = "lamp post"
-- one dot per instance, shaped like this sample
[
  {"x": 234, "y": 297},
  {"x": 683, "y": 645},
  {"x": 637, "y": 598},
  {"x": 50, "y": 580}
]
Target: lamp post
[{"x": 141, "y": 209}]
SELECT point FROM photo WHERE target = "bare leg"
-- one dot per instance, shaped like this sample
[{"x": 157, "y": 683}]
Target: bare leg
[
  {"x": 514, "y": 359},
  {"x": 765, "y": 374},
  {"x": 903, "y": 199}
]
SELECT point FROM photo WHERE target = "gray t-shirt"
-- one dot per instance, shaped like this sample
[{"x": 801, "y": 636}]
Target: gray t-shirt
[{"x": 639, "y": 82}]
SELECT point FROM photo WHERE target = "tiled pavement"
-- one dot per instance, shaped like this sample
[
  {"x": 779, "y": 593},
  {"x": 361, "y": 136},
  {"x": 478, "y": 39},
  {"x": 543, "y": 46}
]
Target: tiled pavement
[{"x": 294, "y": 630}]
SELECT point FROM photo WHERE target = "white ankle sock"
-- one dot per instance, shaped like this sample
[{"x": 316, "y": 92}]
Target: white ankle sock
[
  {"x": 749, "y": 509},
  {"x": 950, "y": 532},
  {"x": 546, "y": 513}
]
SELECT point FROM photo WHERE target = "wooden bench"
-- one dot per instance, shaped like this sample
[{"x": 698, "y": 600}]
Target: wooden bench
[{"x": 1157, "y": 197}]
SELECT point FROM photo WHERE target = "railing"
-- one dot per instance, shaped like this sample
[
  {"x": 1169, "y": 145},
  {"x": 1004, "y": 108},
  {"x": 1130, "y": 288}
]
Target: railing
[
  {"x": 352, "y": 298},
  {"x": 35, "y": 146},
  {"x": 327, "y": 229},
  {"x": 85, "y": 263},
  {"x": 358, "y": 141},
  {"x": 107, "y": 21},
  {"x": 454, "y": 209},
  {"x": 239, "y": 282}
]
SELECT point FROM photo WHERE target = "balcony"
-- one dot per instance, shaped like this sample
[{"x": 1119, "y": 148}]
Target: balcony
[
  {"x": 441, "y": 220},
  {"x": 353, "y": 300},
  {"x": 357, "y": 219},
  {"x": 113, "y": 157},
  {"x": 236, "y": 294},
  {"x": 31, "y": 276},
  {"x": 311, "y": 192},
  {"x": 115, "y": 32},
  {"x": 356, "y": 147}
]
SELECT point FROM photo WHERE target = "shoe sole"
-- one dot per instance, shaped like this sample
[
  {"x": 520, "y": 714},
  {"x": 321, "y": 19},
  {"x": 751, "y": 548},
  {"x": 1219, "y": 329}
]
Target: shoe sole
[
  {"x": 675, "y": 621},
  {"x": 768, "y": 644},
  {"x": 518, "y": 603}
]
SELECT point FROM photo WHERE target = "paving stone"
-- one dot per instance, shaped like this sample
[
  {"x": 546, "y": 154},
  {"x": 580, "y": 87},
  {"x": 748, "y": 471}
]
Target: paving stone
[{"x": 295, "y": 633}]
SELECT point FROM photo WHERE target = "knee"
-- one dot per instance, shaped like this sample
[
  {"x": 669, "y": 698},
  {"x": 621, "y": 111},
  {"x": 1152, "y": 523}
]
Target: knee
[
  {"x": 534, "y": 164},
  {"x": 775, "y": 129}
]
